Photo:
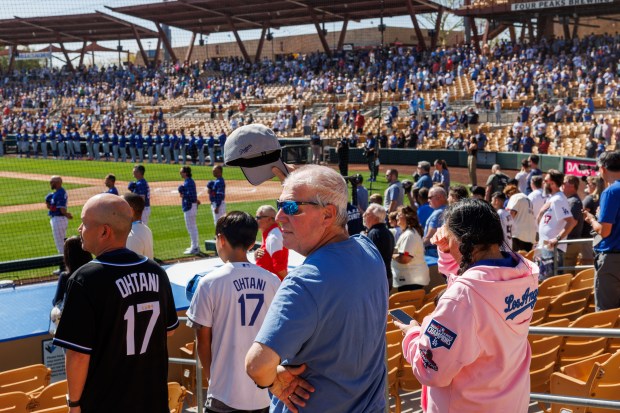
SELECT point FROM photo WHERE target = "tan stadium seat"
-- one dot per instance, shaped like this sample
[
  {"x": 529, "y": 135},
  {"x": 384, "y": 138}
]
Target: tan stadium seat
[
  {"x": 434, "y": 292},
  {"x": 575, "y": 349},
  {"x": 554, "y": 286},
  {"x": 25, "y": 379},
  {"x": 540, "y": 310},
  {"x": 544, "y": 358},
  {"x": 176, "y": 396},
  {"x": 415, "y": 298},
  {"x": 426, "y": 310},
  {"x": 393, "y": 373},
  {"x": 14, "y": 402},
  {"x": 583, "y": 279},
  {"x": 52, "y": 396},
  {"x": 596, "y": 377},
  {"x": 570, "y": 304}
]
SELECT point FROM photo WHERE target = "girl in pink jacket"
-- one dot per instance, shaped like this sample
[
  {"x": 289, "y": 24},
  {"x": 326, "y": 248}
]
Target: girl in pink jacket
[{"x": 471, "y": 354}]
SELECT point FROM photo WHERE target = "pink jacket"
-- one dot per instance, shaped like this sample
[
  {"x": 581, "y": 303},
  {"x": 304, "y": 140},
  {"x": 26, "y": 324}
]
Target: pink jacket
[{"x": 472, "y": 351}]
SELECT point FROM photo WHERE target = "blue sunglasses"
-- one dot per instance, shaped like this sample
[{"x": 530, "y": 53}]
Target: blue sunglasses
[{"x": 291, "y": 207}]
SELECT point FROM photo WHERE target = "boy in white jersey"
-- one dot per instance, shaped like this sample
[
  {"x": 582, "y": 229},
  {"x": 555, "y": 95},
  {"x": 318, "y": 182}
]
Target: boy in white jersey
[
  {"x": 498, "y": 199},
  {"x": 227, "y": 311}
]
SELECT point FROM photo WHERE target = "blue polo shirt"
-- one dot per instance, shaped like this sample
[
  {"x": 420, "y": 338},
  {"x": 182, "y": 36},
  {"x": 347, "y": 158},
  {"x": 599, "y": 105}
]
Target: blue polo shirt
[
  {"x": 610, "y": 213},
  {"x": 424, "y": 181}
]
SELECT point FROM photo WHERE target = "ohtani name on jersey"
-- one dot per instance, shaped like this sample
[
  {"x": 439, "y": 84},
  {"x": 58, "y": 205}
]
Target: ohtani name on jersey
[
  {"x": 249, "y": 283},
  {"x": 137, "y": 282}
]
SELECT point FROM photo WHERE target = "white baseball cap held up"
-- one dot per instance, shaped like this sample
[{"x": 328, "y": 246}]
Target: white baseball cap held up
[{"x": 254, "y": 148}]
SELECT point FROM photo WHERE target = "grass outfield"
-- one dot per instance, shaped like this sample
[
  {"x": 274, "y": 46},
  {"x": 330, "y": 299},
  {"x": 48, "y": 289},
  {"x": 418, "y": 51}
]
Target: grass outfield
[
  {"x": 24, "y": 191},
  {"x": 99, "y": 169},
  {"x": 29, "y": 234}
]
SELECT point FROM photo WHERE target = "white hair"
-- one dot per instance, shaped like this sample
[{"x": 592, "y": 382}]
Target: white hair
[
  {"x": 329, "y": 187},
  {"x": 267, "y": 210},
  {"x": 377, "y": 211}
]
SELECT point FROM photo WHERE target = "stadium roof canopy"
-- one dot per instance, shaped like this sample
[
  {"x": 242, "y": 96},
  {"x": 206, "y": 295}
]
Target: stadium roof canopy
[
  {"x": 518, "y": 11},
  {"x": 209, "y": 16},
  {"x": 90, "y": 27}
]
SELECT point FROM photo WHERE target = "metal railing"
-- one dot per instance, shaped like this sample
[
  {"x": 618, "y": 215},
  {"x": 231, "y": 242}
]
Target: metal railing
[
  {"x": 193, "y": 362},
  {"x": 575, "y": 332},
  {"x": 575, "y": 267}
]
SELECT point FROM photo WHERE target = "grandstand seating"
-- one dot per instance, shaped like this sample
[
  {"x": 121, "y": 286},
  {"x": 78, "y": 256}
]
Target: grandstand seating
[
  {"x": 570, "y": 304},
  {"x": 415, "y": 298},
  {"x": 176, "y": 396},
  {"x": 583, "y": 279},
  {"x": 28, "y": 379},
  {"x": 596, "y": 377},
  {"x": 554, "y": 286},
  {"x": 14, "y": 402},
  {"x": 53, "y": 396}
]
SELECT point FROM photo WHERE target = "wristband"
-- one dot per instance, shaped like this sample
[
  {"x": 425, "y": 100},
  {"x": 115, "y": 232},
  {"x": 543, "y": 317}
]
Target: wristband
[
  {"x": 72, "y": 403},
  {"x": 263, "y": 387}
]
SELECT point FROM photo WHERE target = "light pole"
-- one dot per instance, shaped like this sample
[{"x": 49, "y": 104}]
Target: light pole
[{"x": 382, "y": 73}]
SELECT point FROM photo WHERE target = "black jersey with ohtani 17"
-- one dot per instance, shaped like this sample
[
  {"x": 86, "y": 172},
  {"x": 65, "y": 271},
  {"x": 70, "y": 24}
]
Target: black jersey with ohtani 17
[{"x": 118, "y": 309}]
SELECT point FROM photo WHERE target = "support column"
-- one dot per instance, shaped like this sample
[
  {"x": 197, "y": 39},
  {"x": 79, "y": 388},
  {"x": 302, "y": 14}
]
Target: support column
[
  {"x": 157, "y": 49},
  {"x": 190, "y": 48},
  {"x": 261, "y": 43},
  {"x": 575, "y": 28},
  {"x": 487, "y": 29},
  {"x": 343, "y": 33},
  {"x": 12, "y": 60},
  {"x": 416, "y": 25},
  {"x": 82, "y": 52},
  {"x": 64, "y": 51},
  {"x": 474, "y": 31},
  {"x": 513, "y": 33},
  {"x": 437, "y": 28},
  {"x": 145, "y": 57},
  {"x": 166, "y": 42},
  {"x": 319, "y": 31},
  {"x": 244, "y": 52}
]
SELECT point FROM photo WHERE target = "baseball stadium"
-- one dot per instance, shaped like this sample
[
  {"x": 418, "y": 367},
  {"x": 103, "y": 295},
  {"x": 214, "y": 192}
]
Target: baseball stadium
[{"x": 477, "y": 143}]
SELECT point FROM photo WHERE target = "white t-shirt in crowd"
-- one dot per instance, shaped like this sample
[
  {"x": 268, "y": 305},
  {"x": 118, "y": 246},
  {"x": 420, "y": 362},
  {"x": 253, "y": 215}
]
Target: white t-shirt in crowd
[
  {"x": 524, "y": 224},
  {"x": 553, "y": 220},
  {"x": 507, "y": 225},
  {"x": 233, "y": 300},
  {"x": 140, "y": 239},
  {"x": 538, "y": 200},
  {"x": 522, "y": 178},
  {"x": 416, "y": 271}
]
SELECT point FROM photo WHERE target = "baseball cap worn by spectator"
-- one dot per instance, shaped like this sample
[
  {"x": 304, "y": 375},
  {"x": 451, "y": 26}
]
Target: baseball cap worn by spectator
[{"x": 254, "y": 148}]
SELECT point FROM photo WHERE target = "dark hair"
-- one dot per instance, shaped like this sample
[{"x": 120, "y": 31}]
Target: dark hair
[
  {"x": 187, "y": 170},
  {"x": 136, "y": 202},
  {"x": 478, "y": 190},
  {"x": 556, "y": 176},
  {"x": 573, "y": 180},
  {"x": 140, "y": 168},
  {"x": 525, "y": 162},
  {"x": 474, "y": 223},
  {"x": 111, "y": 177},
  {"x": 411, "y": 216},
  {"x": 74, "y": 256},
  {"x": 441, "y": 162},
  {"x": 423, "y": 193},
  {"x": 458, "y": 191},
  {"x": 610, "y": 161},
  {"x": 537, "y": 180},
  {"x": 239, "y": 228},
  {"x": 535, "y": 159},
  {"x": 499, "y": 195}
]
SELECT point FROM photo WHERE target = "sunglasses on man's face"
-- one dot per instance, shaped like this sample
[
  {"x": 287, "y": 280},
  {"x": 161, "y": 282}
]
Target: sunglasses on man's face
[{"x": 291, "y": 207}]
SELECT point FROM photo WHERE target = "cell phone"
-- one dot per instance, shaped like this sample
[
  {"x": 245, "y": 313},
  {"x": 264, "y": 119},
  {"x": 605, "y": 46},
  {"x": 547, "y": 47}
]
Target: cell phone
[{"x": 401, "y": 316}]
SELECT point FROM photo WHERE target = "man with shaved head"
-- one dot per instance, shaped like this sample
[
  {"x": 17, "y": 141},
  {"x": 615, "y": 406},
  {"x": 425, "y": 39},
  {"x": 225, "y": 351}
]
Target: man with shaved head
[{"x": 118, "y": 313}]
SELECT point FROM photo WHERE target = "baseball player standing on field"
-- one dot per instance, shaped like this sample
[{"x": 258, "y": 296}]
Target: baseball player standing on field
[
  {"x": 59, "y": 216},
  {"x": 190, "y": 203},
  {"x": 217, "y": 194},
  {"x": 141, "y": 187}
]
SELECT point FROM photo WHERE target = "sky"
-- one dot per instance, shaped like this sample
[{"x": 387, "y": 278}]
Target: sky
[{"x": 38, "y": 8}]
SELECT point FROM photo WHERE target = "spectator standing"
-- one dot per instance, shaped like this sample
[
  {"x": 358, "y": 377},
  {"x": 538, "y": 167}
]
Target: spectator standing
[
  {"x": 448, "y": 352},
  {"x": 315, "y": 144},
  {"x": 304, "y": 334},
  {"x": 595, "y": 185},
  {"x": 607, "y": 239},
  {"x": 570, "y": 188},
  {"x": 521, "y": 176},
  {"x": 424, "y": 208},
  {"x": 342, "y": 149},
  {"x": 380, "y": 235},
  {"x": 424, "y": 179},
  {"x": 361, "y": 192},
  {"x": 371, "y": 150},
  {"x": 438, "y": 200},
  {"x": 496, "y": 182},
  {"x": 141, "y": 187},
  {"x": 441, "y": 174},
  {"x": 555, "y": 222},
  {"x": 272, "y": 254},
  {"x": 217, "y": 193},
  {"x": 498, "y": 199},
  {"x": 394, "y": 194},
  {"x": 537, "y": 196},
  {"x": 408, "y": 265},
  {"x": 524, "y": 228},
  {"x": 140, "y": 238},
  {"x": 189, "y": 205},
  {"x": 57, "y": 210},
  {"x": 110, "y": 182},
  {"x": 472, "y": 154},
  {"x": 534, "y": 171},
  {"x": 227, "y": 310},
  {"x": 118, "y": 312}
]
